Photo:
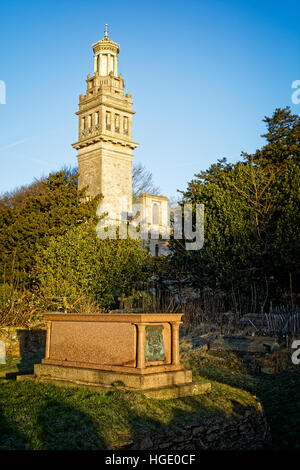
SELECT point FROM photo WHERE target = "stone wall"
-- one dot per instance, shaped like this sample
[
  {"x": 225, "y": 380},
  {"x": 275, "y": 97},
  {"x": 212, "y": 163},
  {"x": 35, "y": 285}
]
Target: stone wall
[
  {"x": 248, "y": 431},
  {"x": 19, "y": 340}
]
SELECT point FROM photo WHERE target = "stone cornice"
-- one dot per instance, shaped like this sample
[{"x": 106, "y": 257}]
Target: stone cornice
[
  {"x": 106, "y": 45},
  {"x": 157, "y": 197},
  {"x": 101, "y": 138},
  {"x": 102, "y": 102}
]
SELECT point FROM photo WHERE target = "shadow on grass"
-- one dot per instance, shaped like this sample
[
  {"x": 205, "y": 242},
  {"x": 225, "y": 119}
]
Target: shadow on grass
[
  {"x": 32, "y": 350},
  {"x": 64, "y": 427},
  {"x": 25, "y": 364},
  {"x": 40, "y": 418},
  {"x": 279, "y": 395},
  {"x": 10, "y": 437}
]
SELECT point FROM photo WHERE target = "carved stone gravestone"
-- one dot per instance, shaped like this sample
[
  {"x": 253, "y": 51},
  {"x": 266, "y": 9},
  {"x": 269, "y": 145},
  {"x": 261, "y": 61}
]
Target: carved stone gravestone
[{"x": 2, "y": 352}]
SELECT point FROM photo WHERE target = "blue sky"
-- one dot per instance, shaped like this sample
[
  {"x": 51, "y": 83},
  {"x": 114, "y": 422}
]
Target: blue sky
[{"x": 203, "y": 74}]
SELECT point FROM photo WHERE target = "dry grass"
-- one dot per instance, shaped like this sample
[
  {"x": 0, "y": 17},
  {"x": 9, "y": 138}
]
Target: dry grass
[{"x": 24, "y": 308}]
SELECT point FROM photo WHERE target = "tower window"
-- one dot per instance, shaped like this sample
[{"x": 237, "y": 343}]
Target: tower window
[
  {"x": 125, "y": 125},
  {"x": 117, "y": 123},
  {"x": 96, "y": 119},
  {"x": 155, "y": 214},
  {"x": 156, "y": 250},
  {"x": 89, "y": 121},
  {"x": 83, "y": 123},
  {"x": 108, "y": 120}
]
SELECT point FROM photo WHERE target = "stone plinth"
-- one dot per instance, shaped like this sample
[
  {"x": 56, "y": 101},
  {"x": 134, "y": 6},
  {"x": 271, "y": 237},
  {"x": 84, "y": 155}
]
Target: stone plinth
[{"x": 135, "y": 351}]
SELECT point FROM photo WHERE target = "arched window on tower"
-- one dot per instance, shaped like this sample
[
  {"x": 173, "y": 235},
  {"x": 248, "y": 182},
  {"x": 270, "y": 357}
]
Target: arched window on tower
[
  {"x": 125, "y": 125},
  {"x": 155, "y": 214},
  {"x": 117, "y": 122},
  {"x": 108, "y": 120}
]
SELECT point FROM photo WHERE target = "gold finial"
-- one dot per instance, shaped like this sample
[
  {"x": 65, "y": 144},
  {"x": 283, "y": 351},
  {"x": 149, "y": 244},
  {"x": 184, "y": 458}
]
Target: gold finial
[{"x": 105, "y": 32}]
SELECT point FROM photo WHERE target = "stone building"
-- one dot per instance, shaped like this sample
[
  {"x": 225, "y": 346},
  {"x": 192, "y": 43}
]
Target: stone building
[{"x": 105, "y": 145}]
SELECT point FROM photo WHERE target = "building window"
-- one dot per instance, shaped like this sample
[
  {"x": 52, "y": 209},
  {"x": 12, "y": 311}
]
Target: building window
[
  {"x": 83, "y": 123},
  {"x": 156, "y": 250},
  {"x": 155, "y": 214},
  {"x": 89, "y": 121},
  {"x": 108, "y": 120},
  {"x": 117, "y": 123},
  {"x": 125, "y": 125},
  {"x": 96, "y": 119}
]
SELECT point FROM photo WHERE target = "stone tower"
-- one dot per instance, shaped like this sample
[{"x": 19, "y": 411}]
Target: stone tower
[{"x": 105, "y": 146}]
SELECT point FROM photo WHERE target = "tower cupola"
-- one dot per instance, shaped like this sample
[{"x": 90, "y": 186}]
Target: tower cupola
[{"x": 106, "y": 56}]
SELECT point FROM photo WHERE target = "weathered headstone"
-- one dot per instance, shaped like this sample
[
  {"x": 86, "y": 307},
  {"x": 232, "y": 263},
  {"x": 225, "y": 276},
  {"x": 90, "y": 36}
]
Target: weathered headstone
[{"x": 2, "y": 352}]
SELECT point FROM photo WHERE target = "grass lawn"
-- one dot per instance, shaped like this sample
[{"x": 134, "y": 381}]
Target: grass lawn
[{"x": 43, "y": 416}]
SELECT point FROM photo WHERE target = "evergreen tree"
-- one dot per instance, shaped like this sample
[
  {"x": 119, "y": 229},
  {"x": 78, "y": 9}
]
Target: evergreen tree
[
  {"x": 25, "y": 227},
  {"x": 252, "y": 219}
]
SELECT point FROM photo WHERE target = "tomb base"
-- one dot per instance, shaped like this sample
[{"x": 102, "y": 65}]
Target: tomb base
[{"x": 159, "y": 385}]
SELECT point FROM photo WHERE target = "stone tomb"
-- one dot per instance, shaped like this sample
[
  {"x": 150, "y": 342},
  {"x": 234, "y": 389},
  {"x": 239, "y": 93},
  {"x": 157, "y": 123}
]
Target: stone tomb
[{"x": 134, "y": 351}]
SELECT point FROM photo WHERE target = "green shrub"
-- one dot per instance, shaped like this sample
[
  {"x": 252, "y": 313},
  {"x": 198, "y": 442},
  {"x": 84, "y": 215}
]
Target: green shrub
[{"x": 80, "y": 262}]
